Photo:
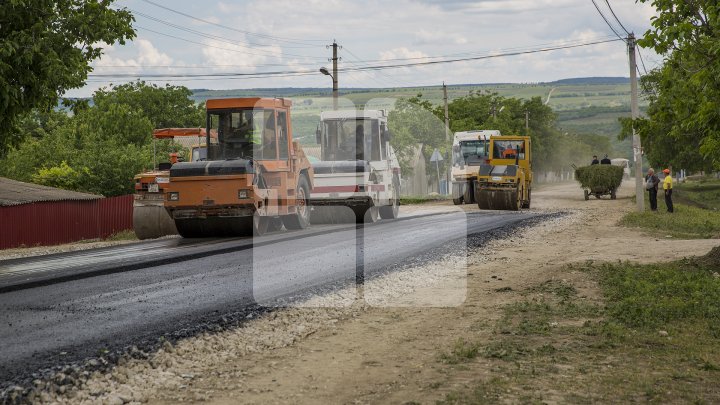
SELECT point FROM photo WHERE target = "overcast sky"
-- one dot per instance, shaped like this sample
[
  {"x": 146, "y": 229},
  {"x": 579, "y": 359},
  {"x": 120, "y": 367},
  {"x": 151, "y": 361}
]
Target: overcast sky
[{"x": 289, "y": 35}]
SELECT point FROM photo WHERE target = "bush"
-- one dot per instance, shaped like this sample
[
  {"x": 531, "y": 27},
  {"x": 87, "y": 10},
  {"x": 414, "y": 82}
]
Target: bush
[{"x": 599, "y": 177}]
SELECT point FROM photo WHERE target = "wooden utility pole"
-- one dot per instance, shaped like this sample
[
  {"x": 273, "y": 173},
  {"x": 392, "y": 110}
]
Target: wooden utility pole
[
  {"x": 637, "y": 147},
  {"x": 335, "y": 74},
  {"x": 447, "y": 118}
]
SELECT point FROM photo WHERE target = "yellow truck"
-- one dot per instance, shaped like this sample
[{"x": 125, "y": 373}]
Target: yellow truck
[{"x": 506, "y": 182}]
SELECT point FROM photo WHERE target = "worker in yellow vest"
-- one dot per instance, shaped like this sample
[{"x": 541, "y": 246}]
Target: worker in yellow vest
[{"x": 668, "y": 186}]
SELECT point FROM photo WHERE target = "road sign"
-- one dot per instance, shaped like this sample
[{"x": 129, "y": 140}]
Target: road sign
[{"x": 436, "y": 156}]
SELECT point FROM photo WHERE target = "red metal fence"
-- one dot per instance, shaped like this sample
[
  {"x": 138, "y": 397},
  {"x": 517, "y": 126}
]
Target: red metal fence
[{"x": 53, "y": 223}]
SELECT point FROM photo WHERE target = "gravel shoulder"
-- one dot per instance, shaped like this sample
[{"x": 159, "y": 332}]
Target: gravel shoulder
[{"x": 389, "y": 352}]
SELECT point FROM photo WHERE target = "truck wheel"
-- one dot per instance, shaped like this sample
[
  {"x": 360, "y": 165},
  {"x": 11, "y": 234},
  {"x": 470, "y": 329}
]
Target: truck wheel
[
  {"x": 189, "y": 228},
  {"x": 391, "y": 211},
  {"x": 301, "y": 218},
  {"x": 469, "y": 196},
  {"x": 526, "y": 203},
  {"x": 274, "y": 224},
  {"x": 366, "y": 214},
  {"x": 259, "y": 225}
]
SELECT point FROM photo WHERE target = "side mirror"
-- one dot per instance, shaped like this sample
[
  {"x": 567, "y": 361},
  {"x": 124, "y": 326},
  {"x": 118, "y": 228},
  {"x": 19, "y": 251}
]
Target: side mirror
[
  {"x": 384, "y": 132},
  {"x": 318, "y": 135}
]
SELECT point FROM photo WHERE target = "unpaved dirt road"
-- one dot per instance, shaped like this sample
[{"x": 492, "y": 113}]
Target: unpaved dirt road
[{"x": 381, "y": 354}]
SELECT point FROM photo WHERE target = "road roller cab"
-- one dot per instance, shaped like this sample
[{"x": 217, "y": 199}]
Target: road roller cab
[
  {"x": 150, "y": 219},
  {"x": 470, "y": 150},
  {"x": 505, "y": 182},
  {"x": 255, "y": 176}
]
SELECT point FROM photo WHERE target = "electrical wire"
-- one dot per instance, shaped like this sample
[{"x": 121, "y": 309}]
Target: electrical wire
[
  {"x": 221, "y": 48},
  {"x": 606, "y": 20},
  {"x": 255, "y": 34},
  {"x": 356, "y": 69},
  {"x": 390, "y": 79},
  {"x": 211, "y": 36},
  {"x": 641, "y": 60},
  {"x": 616, "y": 17}
]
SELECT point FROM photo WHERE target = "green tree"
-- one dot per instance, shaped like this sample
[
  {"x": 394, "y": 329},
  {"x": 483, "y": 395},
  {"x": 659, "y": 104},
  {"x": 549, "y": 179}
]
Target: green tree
[
  {"x": 101, "y": 147},
  {"x": 45, "y": 49},
  {"x": 682, "y": 127},
  {"x": 414, "y": 122},
  {"x": 166, "y": 107}
]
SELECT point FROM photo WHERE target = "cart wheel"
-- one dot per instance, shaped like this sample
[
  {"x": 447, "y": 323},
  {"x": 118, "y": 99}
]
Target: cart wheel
[{"x": 587, "y": 195}]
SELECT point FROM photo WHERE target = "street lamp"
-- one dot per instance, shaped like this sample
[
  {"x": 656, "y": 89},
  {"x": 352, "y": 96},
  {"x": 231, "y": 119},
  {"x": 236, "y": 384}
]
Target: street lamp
[{"x": 326, "y": 72}]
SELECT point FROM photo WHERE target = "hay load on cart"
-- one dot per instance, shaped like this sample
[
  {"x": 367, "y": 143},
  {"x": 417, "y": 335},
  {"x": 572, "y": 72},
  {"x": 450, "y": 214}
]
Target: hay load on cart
[{"x": 599, "y": 180}]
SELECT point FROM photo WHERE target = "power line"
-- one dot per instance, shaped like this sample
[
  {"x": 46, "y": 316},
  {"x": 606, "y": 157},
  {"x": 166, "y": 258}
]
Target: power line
[
  {"x": 211, "y": 36},
  {"x": 255, "y": 34},
  {"x": 360, "y": 68},
  {"x": 425, "y": 58},
  {"x": 616, "y": 17},
  {"x": 368, "y": 74},
  {"x": 221, "y": 48},
  {"x": 556, "y": 48},
  {"x": 641, "y": 60},
  {"x": 606, "y": 20}
]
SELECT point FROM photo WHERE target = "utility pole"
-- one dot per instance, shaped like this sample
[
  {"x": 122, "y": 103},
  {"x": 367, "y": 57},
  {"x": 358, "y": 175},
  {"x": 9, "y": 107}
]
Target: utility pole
[
  {"x": 335, "y": 75},
  {"x": 447, "y": 118},
  {"x": 637, "y": 147},
  {"x": 527, "y": 123},
  {"x": 447, "y": 139}
]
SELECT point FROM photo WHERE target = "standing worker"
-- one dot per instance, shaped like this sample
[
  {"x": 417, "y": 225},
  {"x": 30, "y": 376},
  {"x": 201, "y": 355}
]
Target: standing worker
[
  {"x": 595, "y": 161},
  {"x": 605, "y": 161},
  {"x": 651, "y": 185},
  {"x": 667, "y": 186}
]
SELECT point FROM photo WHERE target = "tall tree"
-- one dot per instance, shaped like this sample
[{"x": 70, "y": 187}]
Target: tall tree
[
  {"x": 683, "y": 123},
  {"x": 45, "y": 49}
]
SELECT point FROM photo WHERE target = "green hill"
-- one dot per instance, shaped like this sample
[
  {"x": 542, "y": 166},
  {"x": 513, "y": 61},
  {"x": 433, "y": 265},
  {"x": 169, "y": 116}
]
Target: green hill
[{"x": 589, "y": 105}]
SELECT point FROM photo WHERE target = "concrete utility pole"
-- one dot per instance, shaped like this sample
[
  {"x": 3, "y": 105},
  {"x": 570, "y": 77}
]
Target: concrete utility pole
[
  {"x": 448, "y": 140},
  {"x": 335, "y": 75},
  {"x": 637, "y": 147},
  {"x": 527, "y": 123}
]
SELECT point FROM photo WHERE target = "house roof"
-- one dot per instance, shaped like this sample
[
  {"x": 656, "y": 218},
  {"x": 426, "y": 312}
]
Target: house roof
[{"x": 14, "y": 192}]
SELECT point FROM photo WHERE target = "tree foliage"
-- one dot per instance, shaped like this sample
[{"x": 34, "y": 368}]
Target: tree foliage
[
  {"x": 416, "y": 121},
  {"x": 101, "y": 147},
  {"x": 45, "y": 49},
  {"x": 682, "y": 127}
]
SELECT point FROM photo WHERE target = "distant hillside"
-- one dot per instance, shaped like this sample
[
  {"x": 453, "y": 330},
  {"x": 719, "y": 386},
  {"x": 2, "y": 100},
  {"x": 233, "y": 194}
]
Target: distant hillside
[{"x": 591, "y": 81}]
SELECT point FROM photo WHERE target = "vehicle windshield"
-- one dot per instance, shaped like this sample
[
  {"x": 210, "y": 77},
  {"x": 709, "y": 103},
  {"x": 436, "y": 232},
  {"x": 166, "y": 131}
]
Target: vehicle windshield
[
  {"x": 508, "y": 149},
  {"x": 198, "y": 153},
  {"x": 242, "y": 134},
  {"x": 470, "y": 153},
  {"x": 350, "y": 139}
]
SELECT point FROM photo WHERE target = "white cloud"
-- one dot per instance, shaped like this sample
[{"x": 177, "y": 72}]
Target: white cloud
[
  {"x": 376, "y": 29},
  {"x": 243, "y": 55}
]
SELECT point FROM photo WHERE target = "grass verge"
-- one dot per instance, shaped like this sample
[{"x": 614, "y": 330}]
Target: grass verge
[
  {"x": 686, "y": 222},
  {"x": 652, "y": 336},
  {"x": 122, "y": 235}
]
